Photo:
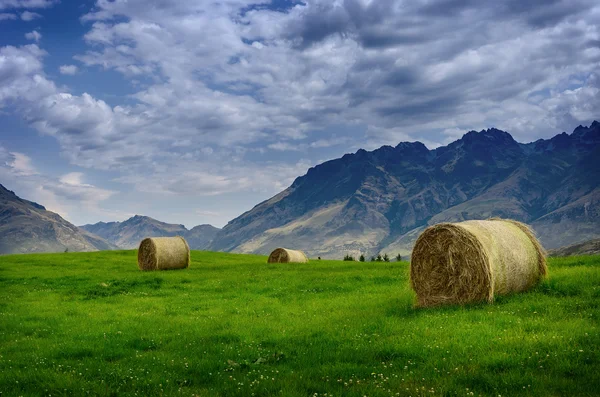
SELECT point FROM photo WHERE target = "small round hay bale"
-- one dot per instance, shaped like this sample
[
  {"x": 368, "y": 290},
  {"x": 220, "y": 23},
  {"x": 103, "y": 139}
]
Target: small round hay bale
[
  {"x": 457, "y": 263},
  {"x": 163, "y": 253},
  {"x": 284, "y": 255}
]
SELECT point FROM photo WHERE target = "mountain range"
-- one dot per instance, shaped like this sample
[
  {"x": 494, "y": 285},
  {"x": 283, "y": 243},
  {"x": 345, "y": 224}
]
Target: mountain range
[
  {"x": 129, "y": 233},
  {"x": 27, "y": 227},
  {"x": 379, "y": 201},
  {"x": 591, "y": 247},
  {"x": 371, "y": 201}
]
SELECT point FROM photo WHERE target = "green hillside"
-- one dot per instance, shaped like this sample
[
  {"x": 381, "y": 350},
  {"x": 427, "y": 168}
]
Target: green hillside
[{"x": 79, "y": 324}]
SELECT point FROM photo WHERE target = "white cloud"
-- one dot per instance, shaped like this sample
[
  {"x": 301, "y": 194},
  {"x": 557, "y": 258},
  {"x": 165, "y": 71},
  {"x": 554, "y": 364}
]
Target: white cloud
[
  {"x": 73, "y": 179},
  {"x": 571, "y": 106},
  {"x": 29, "y": 16},
  {"x": 208, "y": 213},
  {"x": 5, "y": 4},
  {"x": 33, "y": 35},
  {"x": 455, "y": 133},
  {"x": 71, "y": 188},
  {"x": 21, "y": 165},
  {"x": 132, "y": 141},
  {"x": 21, "y": 76},
  {"x": 223, "y": 90},
  {"x": 286, "y": 147},
  {"x": 388, "y": 77},
  {"x": 68, "y": 69},
  {"x": 199, "y": 179},
  {"x": 5, "y": 157},
  {"x": 66, "y": 195},
  {"x": 6, "y": 16}
]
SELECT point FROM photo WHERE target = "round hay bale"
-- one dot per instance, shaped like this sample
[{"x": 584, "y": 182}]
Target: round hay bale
[
  {"x": 163, "y": 253},
  {"x": 284, "y": 255},
  {"x": 457, "y": 263}
]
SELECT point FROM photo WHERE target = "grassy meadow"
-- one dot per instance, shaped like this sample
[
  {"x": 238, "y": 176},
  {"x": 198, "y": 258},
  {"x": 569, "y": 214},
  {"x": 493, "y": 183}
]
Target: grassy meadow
[{"x": 79, "y": 324}]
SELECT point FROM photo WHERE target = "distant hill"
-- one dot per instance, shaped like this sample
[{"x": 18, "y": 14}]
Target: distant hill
[
  {"x": 379, "y": 201},
  {"x": 200, "y": 237},
  {"x": 591, "y": 247},
  {"x": 129, "y": 233},
  {"x": 26, "y": 226}
]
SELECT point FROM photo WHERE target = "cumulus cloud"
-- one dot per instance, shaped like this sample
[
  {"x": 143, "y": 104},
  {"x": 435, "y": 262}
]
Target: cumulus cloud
[
  {"x": 29, "y": 16},
  {"x": 132, "y": 141},
  {"x": 68, "y": 69},
  {"x": 65, "y": 195},
  {"x": 228, "y": 82},
  {"x": 387, "y": 64},
  {"x": 21, "y": 76},
  {"x": 33, "y": 35}
]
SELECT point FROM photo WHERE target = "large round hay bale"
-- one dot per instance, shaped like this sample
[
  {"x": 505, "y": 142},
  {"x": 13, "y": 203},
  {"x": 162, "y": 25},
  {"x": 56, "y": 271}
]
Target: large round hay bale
[
  {"x": 456, "y": 263},
  {"x": 284, "y": 255},
  {"x": 163, "y": 253}
]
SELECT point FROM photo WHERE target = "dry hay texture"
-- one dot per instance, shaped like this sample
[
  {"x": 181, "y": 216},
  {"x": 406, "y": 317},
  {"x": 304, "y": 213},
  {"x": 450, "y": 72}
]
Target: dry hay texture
[
  {"x": 163, "y": 253},
  {"x": 284, "y": 255},
  {"x": 457, "y": 263}
]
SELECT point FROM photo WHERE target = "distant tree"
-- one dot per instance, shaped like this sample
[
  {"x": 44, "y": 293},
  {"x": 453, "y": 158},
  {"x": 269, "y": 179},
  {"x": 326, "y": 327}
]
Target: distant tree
[
  {"x": 386, "y": 258},
  {"x": 379, "y": 258},
  {"x": 319, "y": 258},
  {"x": 399, "y": 257},
  {"x": 67, "y": 249},
  {"x": 361, "y": 258},
  {"x": 372, "y": 259},
  {"x": 348, "y": 257}
]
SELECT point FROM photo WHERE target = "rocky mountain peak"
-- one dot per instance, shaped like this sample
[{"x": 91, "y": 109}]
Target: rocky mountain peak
[
  {"x": 204, "y": 226},
  {"x": 129, "y": 233},
  {"x": 412, "y": 147},
  {"x": 492, "y": 136},
  {"x": 26, "y": 226},
  {"x": 379, "y": 201},
  {"x": 9, "y": 195},
  {"x": 142, "y": 219},
  {"x": 589, "y": 134}
]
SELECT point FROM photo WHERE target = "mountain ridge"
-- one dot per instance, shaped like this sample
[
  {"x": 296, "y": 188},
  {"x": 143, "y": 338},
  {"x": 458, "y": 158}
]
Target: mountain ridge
[
  {"x": 26, "y": 227},
  {"x": 374, "y": 201},
  {"x": 366, "y": 202},
  {"x": 589, "y": 247},
  {"x": 129, "y": 233}
]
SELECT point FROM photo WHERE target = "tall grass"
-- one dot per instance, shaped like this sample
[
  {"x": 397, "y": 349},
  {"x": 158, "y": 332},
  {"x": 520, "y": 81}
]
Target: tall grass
[{"x": 232, "y": 325}]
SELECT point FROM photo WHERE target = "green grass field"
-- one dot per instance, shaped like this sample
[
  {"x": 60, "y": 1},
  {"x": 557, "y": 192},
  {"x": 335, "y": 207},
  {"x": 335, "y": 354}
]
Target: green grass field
[{"x": 231, "y": 325}]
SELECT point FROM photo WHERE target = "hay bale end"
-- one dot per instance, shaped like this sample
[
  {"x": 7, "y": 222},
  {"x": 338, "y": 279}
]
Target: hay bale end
[
  {"x": 163, "y": 253},
  {"x": 284, "y": 255},
  {"x": 457, "y": 263}
]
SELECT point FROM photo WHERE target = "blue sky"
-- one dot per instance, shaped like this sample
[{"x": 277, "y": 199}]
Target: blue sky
[{"x": 194, "y": 111}]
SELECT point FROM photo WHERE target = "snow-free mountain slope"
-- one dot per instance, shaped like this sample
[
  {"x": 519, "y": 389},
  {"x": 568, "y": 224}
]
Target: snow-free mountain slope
[
  {"x": 369, "y": 202},
  {"x": 26, "y": 227}
]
